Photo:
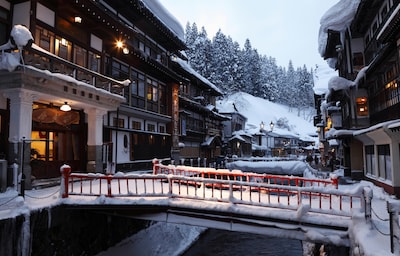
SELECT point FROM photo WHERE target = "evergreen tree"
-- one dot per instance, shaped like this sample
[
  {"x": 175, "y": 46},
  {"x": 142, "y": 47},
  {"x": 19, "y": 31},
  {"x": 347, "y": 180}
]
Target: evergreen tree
[{"x": 233, "y": 69}]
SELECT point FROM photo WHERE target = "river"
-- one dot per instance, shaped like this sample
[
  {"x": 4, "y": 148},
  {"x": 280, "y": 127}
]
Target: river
[{"x": 223, "y": 243}]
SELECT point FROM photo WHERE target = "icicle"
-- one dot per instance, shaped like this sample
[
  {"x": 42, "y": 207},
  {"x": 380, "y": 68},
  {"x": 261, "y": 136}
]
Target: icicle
[
  {"x": 49, "y": 217},
  {"x": 25, "y": 236}
]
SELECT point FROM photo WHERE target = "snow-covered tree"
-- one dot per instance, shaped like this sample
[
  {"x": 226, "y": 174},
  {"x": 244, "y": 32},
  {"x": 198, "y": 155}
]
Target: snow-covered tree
[{"x": 233, "y": 69}]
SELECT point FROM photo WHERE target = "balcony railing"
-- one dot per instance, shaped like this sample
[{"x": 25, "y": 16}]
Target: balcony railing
[{"x": 41, "y": 59}]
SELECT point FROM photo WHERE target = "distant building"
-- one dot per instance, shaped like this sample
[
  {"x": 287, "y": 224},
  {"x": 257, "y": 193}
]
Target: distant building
[
  {"x": 200, "y": 124},
  {"x": 236, "y": 141}
]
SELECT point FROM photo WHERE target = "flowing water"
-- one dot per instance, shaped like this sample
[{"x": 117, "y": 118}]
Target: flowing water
[{"x": 223, "y": 243}]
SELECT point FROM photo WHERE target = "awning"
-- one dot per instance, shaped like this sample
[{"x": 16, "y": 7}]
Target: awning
[{"x": 208, "y": 142}]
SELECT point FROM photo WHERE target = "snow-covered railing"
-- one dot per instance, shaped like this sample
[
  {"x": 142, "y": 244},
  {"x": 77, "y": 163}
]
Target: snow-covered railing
[
  {"x": 238, "y": 175},
  {"x": 41, "y": 59},
  {"x": 313, "y": 199}
]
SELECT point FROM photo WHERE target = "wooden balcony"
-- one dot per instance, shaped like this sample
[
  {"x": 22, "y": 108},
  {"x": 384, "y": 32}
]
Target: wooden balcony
[{"x": 43, "y": 60}]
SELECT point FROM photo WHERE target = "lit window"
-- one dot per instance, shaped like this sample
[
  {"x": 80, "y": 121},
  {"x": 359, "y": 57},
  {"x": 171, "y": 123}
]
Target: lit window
[{"x": 362, "y": 106}]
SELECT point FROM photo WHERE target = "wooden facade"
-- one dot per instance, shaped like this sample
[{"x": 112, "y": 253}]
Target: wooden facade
[
  {"x": 111, "y": 61},
  {"x": 370, "y": 112}
]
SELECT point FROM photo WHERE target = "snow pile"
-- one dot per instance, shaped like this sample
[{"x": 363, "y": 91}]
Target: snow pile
[
  {"x": 159, "y": 239},
  {"x": 271, "y": 167},
  {"x": 20, "y": 37},
  {"x": 322, "y": 75}
]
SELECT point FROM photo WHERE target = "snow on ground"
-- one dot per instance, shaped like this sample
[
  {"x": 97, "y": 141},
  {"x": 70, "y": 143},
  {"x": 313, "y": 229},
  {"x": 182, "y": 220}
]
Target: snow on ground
[{"x": 258, "y": 110}]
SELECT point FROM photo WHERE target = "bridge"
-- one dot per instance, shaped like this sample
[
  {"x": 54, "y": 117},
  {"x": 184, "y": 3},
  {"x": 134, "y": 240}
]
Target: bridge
[{"x": 305, "y": 209}]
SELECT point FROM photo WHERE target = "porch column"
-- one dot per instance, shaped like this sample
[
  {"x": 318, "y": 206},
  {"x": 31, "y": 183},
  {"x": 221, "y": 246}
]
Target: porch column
[
  {"x": 20, "y": 128},
  {"x": 95, "y": 139}
]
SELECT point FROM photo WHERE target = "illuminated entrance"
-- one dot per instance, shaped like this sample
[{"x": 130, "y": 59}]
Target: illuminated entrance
[{"x": 57, "y": 138}]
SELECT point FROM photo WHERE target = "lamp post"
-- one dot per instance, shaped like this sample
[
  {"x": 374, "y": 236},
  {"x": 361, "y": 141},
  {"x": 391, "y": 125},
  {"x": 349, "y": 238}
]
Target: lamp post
[
  {"x": 270, "y": 138},
  {"x": 261, "y": 133}
]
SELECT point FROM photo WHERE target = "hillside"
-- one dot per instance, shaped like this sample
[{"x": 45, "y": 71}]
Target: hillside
[{"x": 258, "y": 110}]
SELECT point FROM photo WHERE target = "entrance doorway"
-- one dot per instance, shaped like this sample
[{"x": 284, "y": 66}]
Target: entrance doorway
[
  {"x": 57, "y": 138},
  {"x": 51, "y": 149}
]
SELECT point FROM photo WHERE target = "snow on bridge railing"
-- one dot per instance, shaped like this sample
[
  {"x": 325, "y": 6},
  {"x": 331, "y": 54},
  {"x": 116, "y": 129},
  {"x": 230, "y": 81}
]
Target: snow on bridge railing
[
  {"x": 314, "y": 199},
  {"x": 238, "y": 175}
]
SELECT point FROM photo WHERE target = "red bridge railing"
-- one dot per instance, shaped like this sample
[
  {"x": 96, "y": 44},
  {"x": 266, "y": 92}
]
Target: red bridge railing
[
  {"x": 238, "y": 175},
  {"x": 319, "y": 199}
]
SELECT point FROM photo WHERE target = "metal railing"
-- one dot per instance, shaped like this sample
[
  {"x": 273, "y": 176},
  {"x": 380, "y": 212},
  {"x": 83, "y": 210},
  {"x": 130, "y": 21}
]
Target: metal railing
[{"x": 323, "y": 200}]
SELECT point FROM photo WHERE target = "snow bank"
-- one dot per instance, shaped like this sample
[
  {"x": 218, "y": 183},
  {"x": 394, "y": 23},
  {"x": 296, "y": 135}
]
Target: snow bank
[{"x": 272, "y": 167}]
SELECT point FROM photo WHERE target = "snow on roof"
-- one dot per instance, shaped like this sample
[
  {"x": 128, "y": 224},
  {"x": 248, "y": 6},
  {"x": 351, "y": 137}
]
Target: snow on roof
[
  {"x": 322, "y": 74},
  {"x": 337, "y": 18},
  {"x": 208, "y": 141},
  {"x": 186, "y": 66},
  {"x": 337, "y": 83},
  {"x": 165, "y": 17},
  {"x": 237, "y": 137}
]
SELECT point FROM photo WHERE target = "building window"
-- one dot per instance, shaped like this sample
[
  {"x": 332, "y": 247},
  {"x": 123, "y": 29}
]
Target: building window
[
  {"x": 94, "y": 62},
  {"x": 362, "y": 106},
  {"x": 4, "y": 25},
  {"x": 370, "y": 159},
  {"x": 63, "y": 48},
  {"x": 358, "y": 59},
  {"x": 384, "y": 162},
  {"x": 162, "y": 129},
  {"x": 137, "y": 125},
  {"x": 118, "y": 122},
  {"x": 80, "y": 56},
  {"x": 392, "y": 93},
  {"x": 151, "y": 127},
  {"x": 152, "y": 95},
  {"x": 137, "y": 92},
  {"x": 45, "y": 39},
  {"x": 119, "y": 70}
]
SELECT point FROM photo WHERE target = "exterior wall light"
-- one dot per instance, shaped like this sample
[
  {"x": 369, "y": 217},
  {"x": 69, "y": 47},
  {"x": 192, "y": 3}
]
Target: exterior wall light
[
  {"x": 65, "y": 107},
  {"x": 120, "y": 44},
  {"x": 77, "y": 19},
  {"x": 125, "y": 50}
]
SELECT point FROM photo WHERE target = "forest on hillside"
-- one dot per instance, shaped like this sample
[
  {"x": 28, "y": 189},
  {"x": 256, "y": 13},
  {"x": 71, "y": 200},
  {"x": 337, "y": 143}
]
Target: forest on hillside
[{"x": 232, "y": 69}]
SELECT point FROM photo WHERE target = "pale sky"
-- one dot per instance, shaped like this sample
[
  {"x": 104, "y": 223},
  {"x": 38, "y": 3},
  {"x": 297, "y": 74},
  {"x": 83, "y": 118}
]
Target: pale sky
[{"x": 284, "y": 29}]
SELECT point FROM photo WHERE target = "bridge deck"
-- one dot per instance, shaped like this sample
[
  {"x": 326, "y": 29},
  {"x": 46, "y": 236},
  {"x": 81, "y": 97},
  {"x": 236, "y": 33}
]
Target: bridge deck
[{"x": 313, "y": 213}]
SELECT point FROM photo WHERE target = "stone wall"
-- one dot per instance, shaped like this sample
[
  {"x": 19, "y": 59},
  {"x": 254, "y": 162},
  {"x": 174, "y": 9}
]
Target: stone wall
[{"x": 62, "y": 231}]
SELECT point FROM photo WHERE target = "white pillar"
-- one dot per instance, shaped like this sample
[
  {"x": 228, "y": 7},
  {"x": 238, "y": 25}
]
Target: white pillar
[
  {"x": 95, "y": 139},
  {"x": 20, "y": 113},
  {"x": 20, "y": 128}
]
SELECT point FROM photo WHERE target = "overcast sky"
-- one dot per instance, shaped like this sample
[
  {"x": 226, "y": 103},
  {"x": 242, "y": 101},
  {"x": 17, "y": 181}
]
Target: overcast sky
[{"x": 284, "y": 29}]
